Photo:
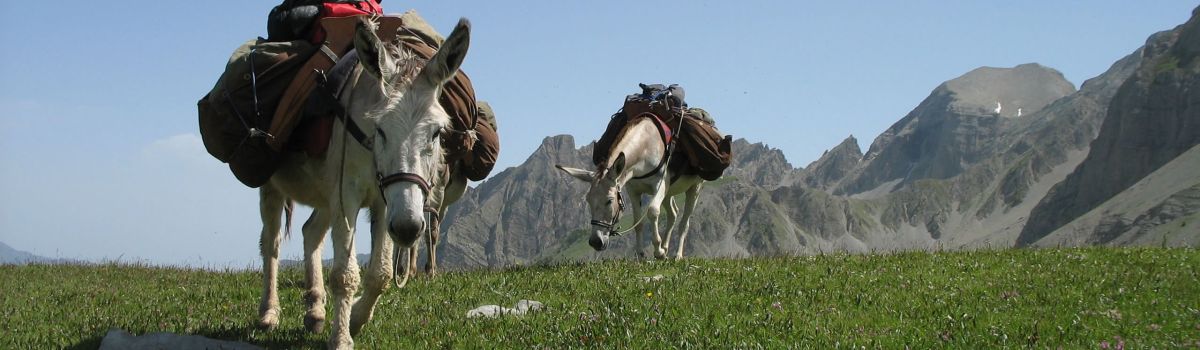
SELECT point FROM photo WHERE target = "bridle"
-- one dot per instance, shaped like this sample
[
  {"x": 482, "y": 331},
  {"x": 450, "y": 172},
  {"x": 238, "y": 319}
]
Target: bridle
[
  {"x": 611, "y": 225},
  {"x": 385, "y": 181}
]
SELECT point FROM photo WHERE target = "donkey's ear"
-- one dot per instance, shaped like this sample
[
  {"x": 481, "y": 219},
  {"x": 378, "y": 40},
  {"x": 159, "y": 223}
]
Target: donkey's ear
[
  {"x": 585, "y": 175},
  {"x": 618, "y": 165},
  {"x": 370, "y": 50},
  {"x": 445, "y": 63}
]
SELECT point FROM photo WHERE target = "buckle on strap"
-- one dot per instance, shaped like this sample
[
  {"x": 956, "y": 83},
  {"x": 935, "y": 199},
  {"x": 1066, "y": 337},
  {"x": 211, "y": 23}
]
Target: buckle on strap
[{"x": 333, "y": 57}]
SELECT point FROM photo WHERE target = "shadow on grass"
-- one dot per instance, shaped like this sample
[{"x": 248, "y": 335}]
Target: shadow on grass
[{"x": 292, "y": 338}]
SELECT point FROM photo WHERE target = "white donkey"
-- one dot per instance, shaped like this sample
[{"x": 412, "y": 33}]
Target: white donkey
[
  {"x": 396, "y": 102},
  {"x": 637, "y": 161}
]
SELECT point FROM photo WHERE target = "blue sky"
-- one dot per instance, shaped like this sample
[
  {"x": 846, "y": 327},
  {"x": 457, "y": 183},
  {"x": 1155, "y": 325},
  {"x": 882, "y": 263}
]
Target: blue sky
[{"x": 100, "y": 157}]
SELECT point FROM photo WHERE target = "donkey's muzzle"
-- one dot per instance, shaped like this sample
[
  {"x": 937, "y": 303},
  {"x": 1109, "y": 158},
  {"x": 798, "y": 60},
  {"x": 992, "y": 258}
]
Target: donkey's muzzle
[
  {"x": 598, "y": 242},
  {"x": 405, "y": 229}
]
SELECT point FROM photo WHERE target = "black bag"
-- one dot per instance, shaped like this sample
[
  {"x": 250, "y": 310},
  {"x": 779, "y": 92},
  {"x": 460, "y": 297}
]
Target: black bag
[{"x": 673, "y": 95}]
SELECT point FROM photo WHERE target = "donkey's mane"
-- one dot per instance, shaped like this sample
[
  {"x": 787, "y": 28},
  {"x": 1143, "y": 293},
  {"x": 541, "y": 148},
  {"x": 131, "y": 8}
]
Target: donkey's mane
[{"x": 407, "y": 65}]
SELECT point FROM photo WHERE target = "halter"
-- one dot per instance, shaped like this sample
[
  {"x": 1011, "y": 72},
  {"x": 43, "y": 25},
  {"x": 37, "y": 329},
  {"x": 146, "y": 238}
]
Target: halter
[{"x": 385, "y": 181}]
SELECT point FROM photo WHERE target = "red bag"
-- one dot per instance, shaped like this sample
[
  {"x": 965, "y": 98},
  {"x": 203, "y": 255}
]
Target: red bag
[
  {"x": 350, "y": 8},
  {"x": 344, "y": 9}
]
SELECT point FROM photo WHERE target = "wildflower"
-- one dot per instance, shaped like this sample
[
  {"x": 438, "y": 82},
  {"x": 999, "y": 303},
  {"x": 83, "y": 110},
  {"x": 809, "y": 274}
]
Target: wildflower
[
  {"x": 777, "y": 305},
  {"x": 649, "y": 294}
]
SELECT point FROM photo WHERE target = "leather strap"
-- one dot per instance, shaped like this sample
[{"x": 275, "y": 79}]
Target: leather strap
[
  {"x": 669, "y": 146},
  {"x": 338, "y": 40},
  {"x": 385, "y": 181}
]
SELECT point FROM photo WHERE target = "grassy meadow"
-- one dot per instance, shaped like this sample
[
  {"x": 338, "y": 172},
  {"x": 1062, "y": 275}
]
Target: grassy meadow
[{"x": 1041, "y": 298}]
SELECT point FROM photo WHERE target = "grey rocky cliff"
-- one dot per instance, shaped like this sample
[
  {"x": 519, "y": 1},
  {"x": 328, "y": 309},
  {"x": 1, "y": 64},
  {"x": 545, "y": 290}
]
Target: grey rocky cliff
[
  {"x": 520, "y": 213},
  {"x": 1153, "y": 118}
]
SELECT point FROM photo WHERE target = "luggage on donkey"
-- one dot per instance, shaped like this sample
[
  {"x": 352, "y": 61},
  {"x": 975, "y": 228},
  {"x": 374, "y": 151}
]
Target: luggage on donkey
[
  {"x": 706, "y": 150},
  {"x": 702, "y": 149},
  {"x": 297, "y": 19},
  {"x": 247, "y": 119},
  {"x": 479, "y": 163},
  {"x": 236, "y": 114}
]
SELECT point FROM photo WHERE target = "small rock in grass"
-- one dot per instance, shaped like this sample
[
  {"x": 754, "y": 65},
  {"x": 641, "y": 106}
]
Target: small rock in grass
[
  {"x": 654, "y": 278},
  {"x": 520, "y": 308}
]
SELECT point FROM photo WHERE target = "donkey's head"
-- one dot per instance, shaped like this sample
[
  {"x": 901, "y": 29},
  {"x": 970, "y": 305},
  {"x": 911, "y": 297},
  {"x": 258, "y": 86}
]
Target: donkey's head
[
  {"x": 410, "y": 122},
  {"x": 603, "y": 198}
]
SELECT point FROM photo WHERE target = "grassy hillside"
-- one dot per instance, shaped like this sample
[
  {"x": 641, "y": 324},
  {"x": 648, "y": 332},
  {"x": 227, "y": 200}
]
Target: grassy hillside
[{"x": 1079, "y": 298}]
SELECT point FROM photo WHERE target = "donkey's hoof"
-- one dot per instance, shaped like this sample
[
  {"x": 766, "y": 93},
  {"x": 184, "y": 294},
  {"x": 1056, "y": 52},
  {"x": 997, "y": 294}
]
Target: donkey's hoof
[
  {"x": 314, "y": 323},
  {"x": 341, "y": 343},
  {"x": 269, "y": 319}
]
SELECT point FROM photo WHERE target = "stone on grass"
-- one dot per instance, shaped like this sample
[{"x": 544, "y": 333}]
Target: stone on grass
[{"x": 491, "y": 311}]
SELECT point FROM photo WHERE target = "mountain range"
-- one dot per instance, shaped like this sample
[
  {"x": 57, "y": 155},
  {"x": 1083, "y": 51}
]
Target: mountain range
[{"x": 995, "y": 158}]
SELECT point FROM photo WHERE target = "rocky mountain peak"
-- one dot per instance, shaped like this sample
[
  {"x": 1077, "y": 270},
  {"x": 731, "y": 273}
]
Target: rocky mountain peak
[
  {"x": 957, "y": 126},
  {"x": 833, "y": 165},
  {"x": 759, "y": 164},
  {"x": 1008, "y": 92}
]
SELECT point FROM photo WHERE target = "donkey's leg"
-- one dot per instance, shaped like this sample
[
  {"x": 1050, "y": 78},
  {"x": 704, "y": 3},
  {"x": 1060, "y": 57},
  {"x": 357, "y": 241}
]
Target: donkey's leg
[
  {"x": 435, "y": 221},
  {"x": 314, "y": 278},
  {"x": 635, "y": 205},
  {"x": 344, "y": 278},
  {"x": 379, "y": 271},
  {"x": 413, "y": 252},
  {"x": 455, "y": 184},
  {"x": 652, "y": 212},
  {"x": 270, "y": 206},
  {"x": 689, "y": 205},
  {"x": 670, "y": 211}
]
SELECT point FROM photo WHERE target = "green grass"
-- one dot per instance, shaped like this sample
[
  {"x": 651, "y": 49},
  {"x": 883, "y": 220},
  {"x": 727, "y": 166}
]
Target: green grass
[{"x": 1074, "y": 298}]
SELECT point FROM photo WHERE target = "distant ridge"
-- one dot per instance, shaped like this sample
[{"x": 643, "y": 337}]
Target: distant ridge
[{"x": 12, "y": 256}]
